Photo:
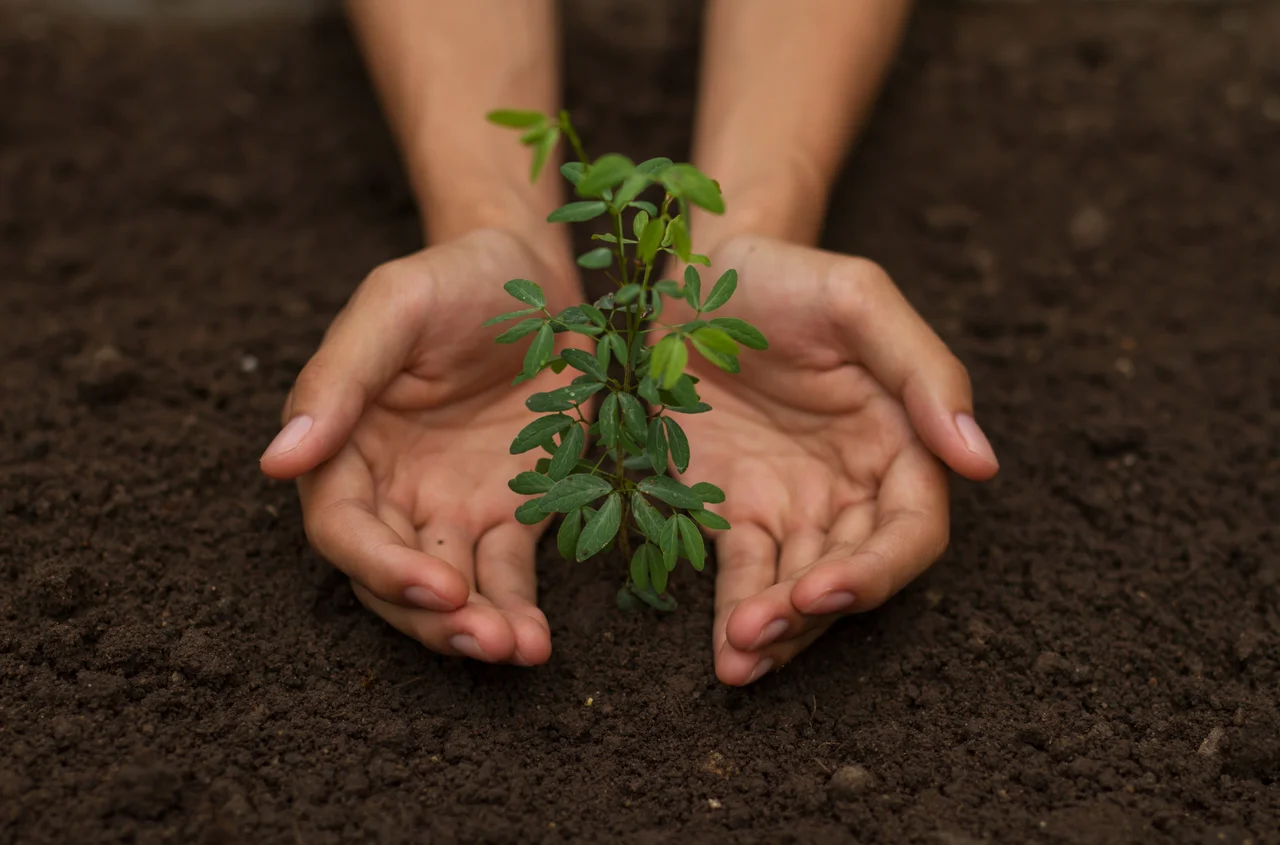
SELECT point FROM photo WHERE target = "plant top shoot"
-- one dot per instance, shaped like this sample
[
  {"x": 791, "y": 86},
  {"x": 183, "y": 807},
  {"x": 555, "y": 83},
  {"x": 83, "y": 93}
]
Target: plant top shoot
[{"x": 610, "y": 478}]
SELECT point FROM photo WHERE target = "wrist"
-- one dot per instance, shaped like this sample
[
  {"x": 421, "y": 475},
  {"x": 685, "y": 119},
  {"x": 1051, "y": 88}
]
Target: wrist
[{"x": 787, "y": 201}]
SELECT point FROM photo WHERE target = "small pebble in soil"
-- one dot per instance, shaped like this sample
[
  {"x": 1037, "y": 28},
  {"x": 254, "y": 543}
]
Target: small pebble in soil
[
  {"x": 105, "y": 376},
  {"x": 1089, "y": 228},
  {"x": 249, "y": 364},
  {"x": 1211, "y": 743},
  {"x": 713, "y": 804},
  {"x": 850, "y": 781}
]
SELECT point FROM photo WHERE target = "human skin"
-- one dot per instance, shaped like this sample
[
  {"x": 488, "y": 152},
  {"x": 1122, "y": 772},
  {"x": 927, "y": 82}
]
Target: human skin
[
  {"x": 397, "y": 429},
  {"x": 827, "y": 445}
]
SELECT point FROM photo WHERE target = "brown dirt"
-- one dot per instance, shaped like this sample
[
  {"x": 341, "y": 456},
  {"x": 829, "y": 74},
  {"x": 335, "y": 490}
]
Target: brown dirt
[{"x": 1084, "y": 202}]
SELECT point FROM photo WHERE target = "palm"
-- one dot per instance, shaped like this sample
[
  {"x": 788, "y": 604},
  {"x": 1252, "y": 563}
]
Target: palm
[{"x": 814, "y": 453}]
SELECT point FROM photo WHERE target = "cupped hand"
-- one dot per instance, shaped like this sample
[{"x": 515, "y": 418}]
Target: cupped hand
[
  {"x": 825, "y": 446},
  {"x": 398, "y": 431}
]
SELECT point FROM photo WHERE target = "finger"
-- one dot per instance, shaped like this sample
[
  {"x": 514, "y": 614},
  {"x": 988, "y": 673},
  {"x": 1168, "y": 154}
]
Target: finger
[
  {"x": 453, "y": 543},
  {"x": 505, "y": 575},
  {"x": 365, "y": 348},
  {"x": 767, "y": 614},
  {"x": 477, "y": 629},
  {"x": 340, "y": 521},
  {"x": 770, "y": 617},
  {"x": 746, "y": 565},
  {"x": 911, "y": 361},
  {"x": 911, "y": 532}
]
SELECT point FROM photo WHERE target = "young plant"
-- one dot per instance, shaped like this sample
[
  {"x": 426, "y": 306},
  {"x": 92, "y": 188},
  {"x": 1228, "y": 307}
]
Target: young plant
[{"x": 609, "y": 477}]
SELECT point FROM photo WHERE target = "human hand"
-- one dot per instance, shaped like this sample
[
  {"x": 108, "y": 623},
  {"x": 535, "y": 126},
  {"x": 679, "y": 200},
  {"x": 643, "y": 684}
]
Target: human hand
[
  {"x": 825, "y": 447},
  {"x": 396, "y": 430}
]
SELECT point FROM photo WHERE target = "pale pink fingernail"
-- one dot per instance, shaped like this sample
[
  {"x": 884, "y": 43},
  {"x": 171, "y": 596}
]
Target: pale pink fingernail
[
  {"x": 468, "y": 645},
  {"x": 761, "y": 668},
  {"x": 770, "y": 633},
  {"x": 289, "y": 437},
  {"x": 974, "y": 438},
  {"x": 425, "y": 597},
  {"x": 832, "y": 602}
]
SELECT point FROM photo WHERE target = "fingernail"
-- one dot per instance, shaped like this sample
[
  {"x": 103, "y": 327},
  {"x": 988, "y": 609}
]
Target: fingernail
[
  {"x": 519, "y": 660},
  {"x": 770, "y": 633},
  {"x": 832, "y": 602},
  {"x": 974, "y": 438},
  {"x": 468, "y": 645},
  {"x": 289, "y": 437},
  {"x": 426, "y": 597},
  {"x": 761, "y": 668}
]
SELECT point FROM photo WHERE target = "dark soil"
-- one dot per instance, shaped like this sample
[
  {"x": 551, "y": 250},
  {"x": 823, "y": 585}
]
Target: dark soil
[{"x": 1085, "y": 203}]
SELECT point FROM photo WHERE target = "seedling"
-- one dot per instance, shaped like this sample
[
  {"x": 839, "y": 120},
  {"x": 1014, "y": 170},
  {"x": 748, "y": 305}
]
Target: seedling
[{"x": 609, "y": 478}]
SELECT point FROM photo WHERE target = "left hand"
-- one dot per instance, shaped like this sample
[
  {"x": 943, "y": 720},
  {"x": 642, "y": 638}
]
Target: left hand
[{"x": 825, "y": 446}]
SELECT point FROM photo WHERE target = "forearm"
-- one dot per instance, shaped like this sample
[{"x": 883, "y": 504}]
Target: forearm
[
  {"x": 439, "y": 66},
  {"x": 785, "y": 87}
]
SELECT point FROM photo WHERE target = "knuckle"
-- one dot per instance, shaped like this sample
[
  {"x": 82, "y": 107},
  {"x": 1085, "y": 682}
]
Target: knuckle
[{"x": 857, "y": 288}]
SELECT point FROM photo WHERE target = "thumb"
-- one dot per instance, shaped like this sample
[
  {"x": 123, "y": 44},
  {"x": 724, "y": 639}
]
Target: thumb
[
  {"x": 365, "y": 348},
  {"x": 904, "y": 354}
]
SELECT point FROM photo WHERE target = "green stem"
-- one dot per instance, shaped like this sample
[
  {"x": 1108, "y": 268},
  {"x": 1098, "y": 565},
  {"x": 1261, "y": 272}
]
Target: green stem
[{"x": 566, "y": 126}]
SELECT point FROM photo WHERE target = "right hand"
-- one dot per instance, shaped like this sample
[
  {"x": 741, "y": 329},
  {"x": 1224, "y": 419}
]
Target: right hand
[{"x": 398, "y": 431}]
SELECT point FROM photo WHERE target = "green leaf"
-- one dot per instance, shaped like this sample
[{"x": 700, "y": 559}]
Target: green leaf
[
  {"x": 633, "y": 416},
  {"x": 630, "y": 189},
  {"x": 515, "y": 118},
  {"x": 692, "y": 286},
  {"x": 586, "y": 329},
  {"x": 577, "y": 212},
  {"x": 710, "y": 520},
  {"x": 647, "y": 518},
  {"x": 678, "y": 443},
  {"x": 567, "y": 537},
  {"x": 593, "y": 314},
  {"x": 584, "y": 362},
  {"x": 687, "y": 182},
  {"x": 670, "y": 287},
  {"x": 530, "y": 483},
  {"x": 650, "y": 239},
  {"x": 741, "y": 331},
  {"x": 597, "y": 259},
  {"x": 657, "y": 568},
  {"x": 572, "y": 171},
  {"x": 531, "y": 512},
  {"x": 542, "y": 403},
  {"x": 648, "y": 391},
  {"x": 670, "y": 491},
  {"x": 708, "y": 493},
  {"x": 566, "y": 457},
  {"x": 691, "y": 541},
  {"x": 574, "y": 492},
  {"x": 540, "y": 350},
  {"x": 649, "y": 208},
  {"x": 627, "y": 294},
  {"x": 520, "y": 329},
  {"x": 669, "y": 542},
  {"x": 715, "y": 339},
  {"x": 619, "y": 347},
  {"x": 510, "y": 315},
  {"x": 639, "y": 222},
  {"x": 728, "y": 363},
  {"x": 607, "y": 172},
  {"x": 602, "y": 353},
  {"x": 543, "y": 465},
  {"x": 535, "y": 433},
  {"x": 640, "y": 567},
  {"x": 542, "y": 152},
  {"x": 698, "y": 258},
  {"x": 656, "y": 444},
  {"x": 600, "y": 528},
  {"x": 723, "y": 289},
  {"x": 668, "y": 360},
  {"x": 609, "y": 420},
  {"x": 678, "y": 232},
  {"x": 654, "y": 166},
  {"x": 526, "y": 291}
]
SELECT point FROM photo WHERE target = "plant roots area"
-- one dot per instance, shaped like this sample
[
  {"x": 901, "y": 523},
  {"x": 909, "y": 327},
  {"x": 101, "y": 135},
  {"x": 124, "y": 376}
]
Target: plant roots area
[{"x": 1084, "y": 204}]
